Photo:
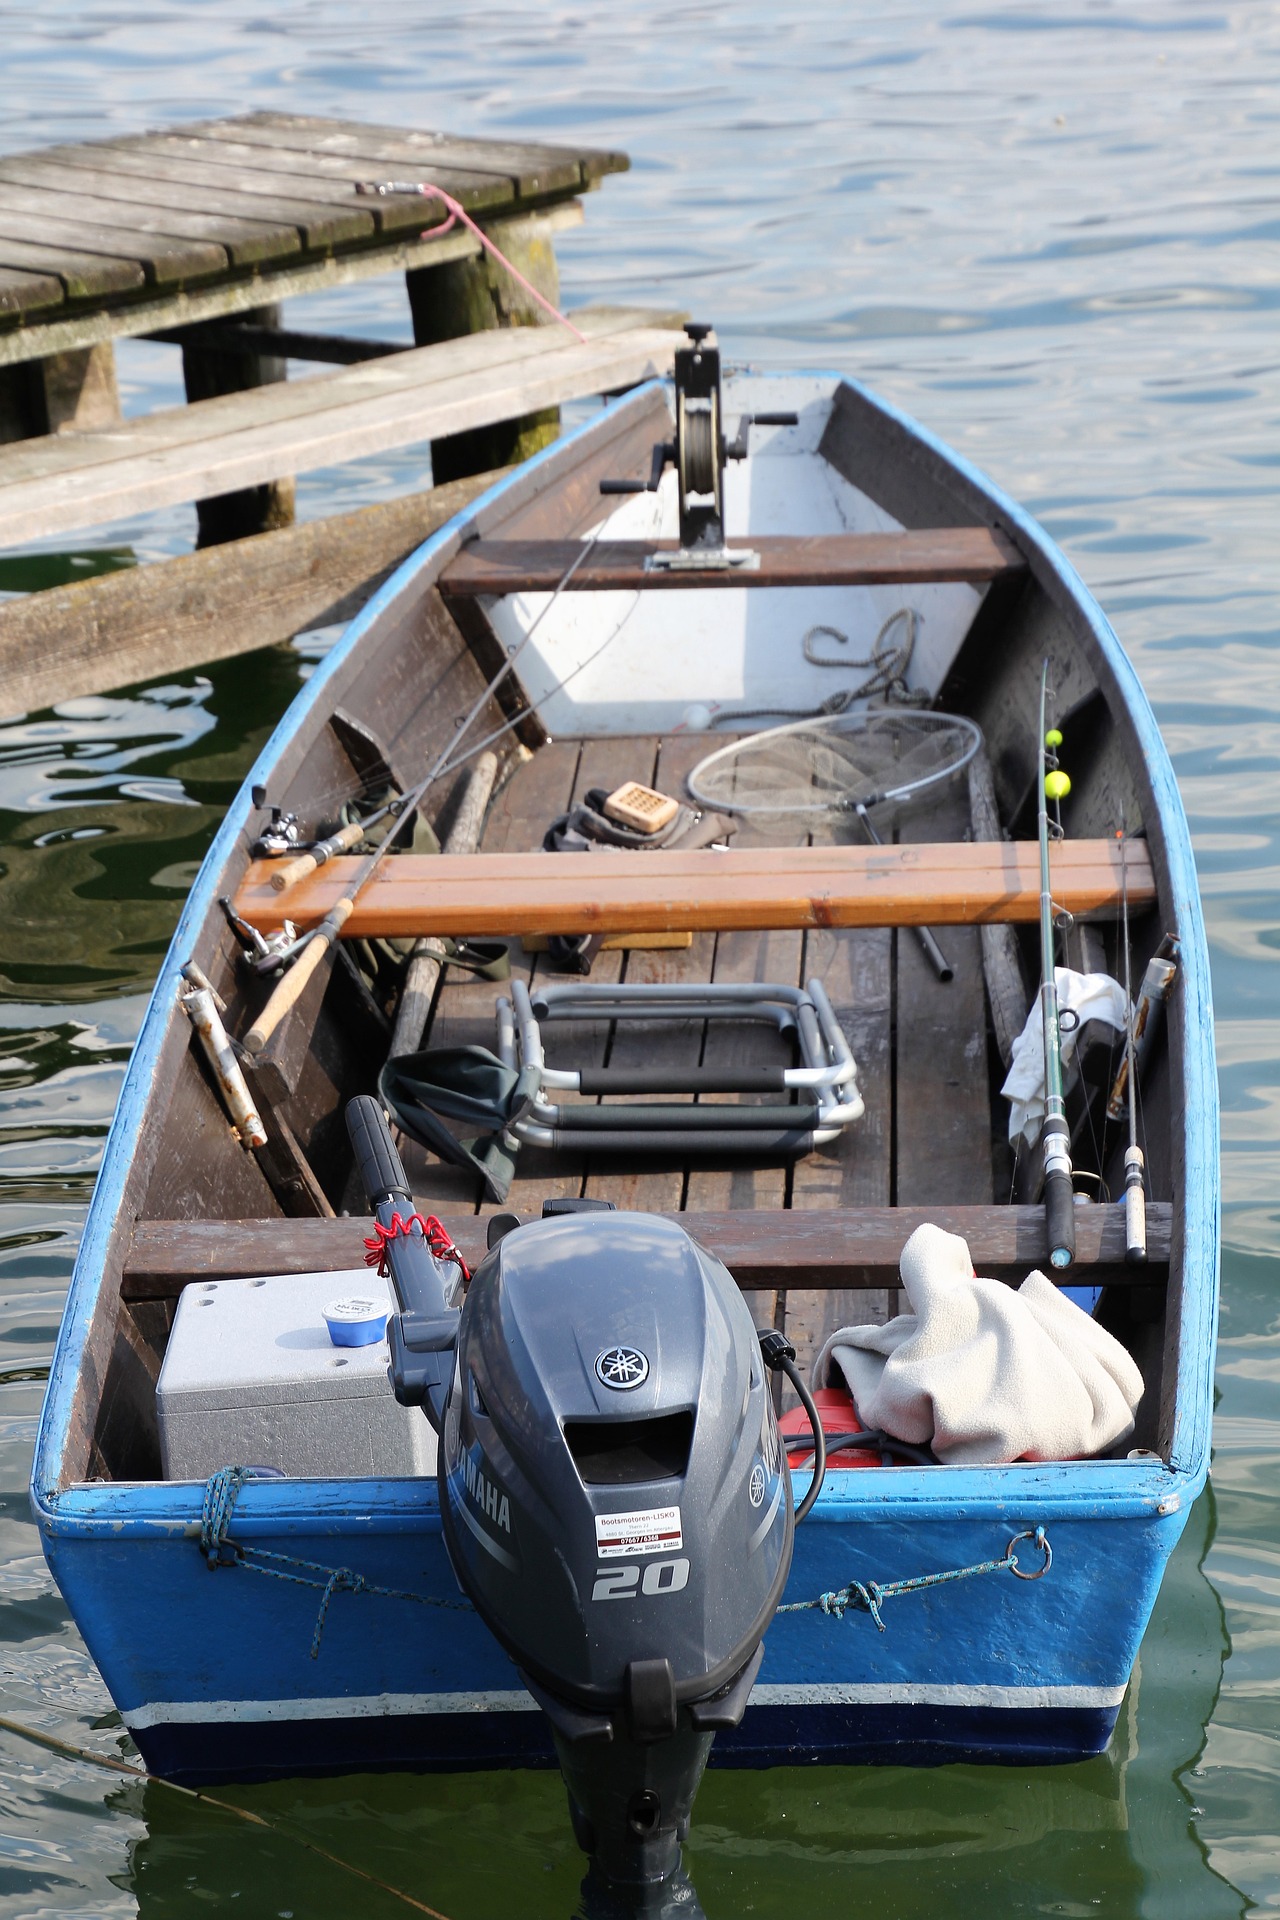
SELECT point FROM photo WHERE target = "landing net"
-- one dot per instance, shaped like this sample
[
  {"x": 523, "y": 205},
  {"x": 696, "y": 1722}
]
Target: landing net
[{"x": 814, "y": 769}]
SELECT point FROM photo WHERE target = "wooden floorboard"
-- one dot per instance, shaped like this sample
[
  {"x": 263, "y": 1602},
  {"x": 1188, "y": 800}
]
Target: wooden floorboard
[
  {"x": 651, "y": 1183},
  {"x": 542, "y": 1174},
  {"x": 464, "y": 1009}
]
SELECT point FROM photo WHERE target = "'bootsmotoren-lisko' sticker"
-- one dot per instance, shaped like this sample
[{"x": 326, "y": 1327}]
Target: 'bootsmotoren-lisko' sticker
[{"x": 655, "y": 1530}]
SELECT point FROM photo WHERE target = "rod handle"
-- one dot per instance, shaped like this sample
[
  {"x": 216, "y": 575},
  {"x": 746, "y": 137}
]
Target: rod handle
[
  {"x": 380, "y": 1168},
  {"x": 292, "y": 871},
  {"x": 1135, "y": 1208},
  {"x": 1060, "y": 1219},
  {"x": 290, "y": 989}
]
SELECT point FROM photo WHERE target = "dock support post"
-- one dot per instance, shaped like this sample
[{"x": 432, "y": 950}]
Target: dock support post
[
  {"x": 262, "y": 509},
  {"x": 75, "y": 391},
  {"x": 474, "y": 296}
]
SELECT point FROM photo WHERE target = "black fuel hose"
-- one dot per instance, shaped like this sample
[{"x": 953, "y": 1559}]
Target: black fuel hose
[
  {"x": 779, "y": 1355},
  {"x": 870, "y": 1440}
]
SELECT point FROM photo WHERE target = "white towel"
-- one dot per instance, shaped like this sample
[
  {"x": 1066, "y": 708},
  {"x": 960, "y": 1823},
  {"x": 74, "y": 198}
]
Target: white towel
[
  {"x": 1089, "y": 996},
  {"x": 985, "y": 1373}
]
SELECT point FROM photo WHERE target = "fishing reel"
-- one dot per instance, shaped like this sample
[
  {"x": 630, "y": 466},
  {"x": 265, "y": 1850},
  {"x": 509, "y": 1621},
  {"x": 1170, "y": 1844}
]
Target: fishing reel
[
  {"x": 263, "y": 953},
  {"x": 282, "y": 833},
  {"x": 699, "y": 453}
]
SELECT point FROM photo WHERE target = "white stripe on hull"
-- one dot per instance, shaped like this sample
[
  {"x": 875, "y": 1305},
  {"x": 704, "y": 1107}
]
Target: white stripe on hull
[{"x": 384, "y": 1706}]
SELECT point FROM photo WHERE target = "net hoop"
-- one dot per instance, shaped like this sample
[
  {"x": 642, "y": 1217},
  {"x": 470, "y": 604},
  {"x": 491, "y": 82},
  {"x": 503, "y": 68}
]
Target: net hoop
[{"x": 951, "y": 739}]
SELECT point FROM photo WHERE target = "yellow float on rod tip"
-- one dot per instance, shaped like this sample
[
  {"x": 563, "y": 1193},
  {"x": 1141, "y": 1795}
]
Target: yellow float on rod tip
[
  {"x": 1057, "y": 785},
  {"x": 1053, "y": 738}
]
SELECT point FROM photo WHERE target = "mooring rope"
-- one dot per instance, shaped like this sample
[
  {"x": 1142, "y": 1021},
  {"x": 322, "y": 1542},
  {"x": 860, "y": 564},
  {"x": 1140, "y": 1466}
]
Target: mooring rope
[
  {"x": 869, "y": 1598},
  {"x": 457, "y": 212},
  {"x": 221, "y": 1491}
]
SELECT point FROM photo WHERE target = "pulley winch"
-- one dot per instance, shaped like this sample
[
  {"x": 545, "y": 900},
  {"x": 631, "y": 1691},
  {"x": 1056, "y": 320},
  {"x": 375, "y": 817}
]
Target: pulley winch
[{"x": 699, "y": 453}]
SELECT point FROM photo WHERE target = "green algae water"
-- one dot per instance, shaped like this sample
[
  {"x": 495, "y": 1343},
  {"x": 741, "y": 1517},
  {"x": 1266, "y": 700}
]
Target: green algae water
[{"x": 1050, "y": 232}]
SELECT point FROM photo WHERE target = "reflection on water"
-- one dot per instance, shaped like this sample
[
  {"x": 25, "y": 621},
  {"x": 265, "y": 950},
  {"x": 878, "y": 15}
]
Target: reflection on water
[{"x": 1047, "y": 231}]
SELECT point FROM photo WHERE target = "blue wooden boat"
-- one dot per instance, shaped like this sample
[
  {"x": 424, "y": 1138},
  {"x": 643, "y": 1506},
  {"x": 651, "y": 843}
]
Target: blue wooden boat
[{"x": 223, "y": 1671}]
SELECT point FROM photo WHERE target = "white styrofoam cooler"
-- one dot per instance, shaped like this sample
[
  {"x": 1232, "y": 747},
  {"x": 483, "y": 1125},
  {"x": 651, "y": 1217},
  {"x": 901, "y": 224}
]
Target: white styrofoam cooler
[{"x": 251, "y": 1378}]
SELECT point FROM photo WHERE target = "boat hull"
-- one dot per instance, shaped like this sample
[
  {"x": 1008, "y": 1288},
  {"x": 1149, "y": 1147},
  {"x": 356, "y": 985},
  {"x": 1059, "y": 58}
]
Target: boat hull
[
  {"x": 213, "y": 1670},
  {"x": 214, "y": 1674}
]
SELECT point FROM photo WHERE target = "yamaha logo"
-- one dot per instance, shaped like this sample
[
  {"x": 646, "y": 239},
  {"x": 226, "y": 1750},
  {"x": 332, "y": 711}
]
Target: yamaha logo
[
  {"x": 621, "y": 1367},
  {"x": 755, "y": 1486}
]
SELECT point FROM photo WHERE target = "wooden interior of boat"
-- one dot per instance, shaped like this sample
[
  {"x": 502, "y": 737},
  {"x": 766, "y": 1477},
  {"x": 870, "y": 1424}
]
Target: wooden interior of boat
[{"x": 814, "y": 1241}]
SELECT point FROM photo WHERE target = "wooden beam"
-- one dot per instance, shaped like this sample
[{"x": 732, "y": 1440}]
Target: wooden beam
[
  {"x": 950, "y": 883},
  {"x": 857, "y": 1247},
  {"x": 175, "y": 614},
  {"x": 65, "y": 481},
  {"x": 243, "y": 337},
  {"x": 972, "y": 554}
]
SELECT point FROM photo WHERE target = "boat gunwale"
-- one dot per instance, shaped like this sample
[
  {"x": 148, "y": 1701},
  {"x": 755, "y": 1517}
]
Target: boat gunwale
[{"x": 124, "y": 1507}]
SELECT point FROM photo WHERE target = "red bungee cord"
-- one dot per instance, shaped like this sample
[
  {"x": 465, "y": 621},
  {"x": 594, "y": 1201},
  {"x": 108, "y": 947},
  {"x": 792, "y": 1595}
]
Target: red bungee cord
[{"x": 433, "y": 1233}]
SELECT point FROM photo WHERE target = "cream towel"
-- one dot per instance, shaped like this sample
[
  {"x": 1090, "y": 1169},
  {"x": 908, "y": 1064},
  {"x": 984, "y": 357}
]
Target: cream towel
[{"x": 985, "y": 1373}]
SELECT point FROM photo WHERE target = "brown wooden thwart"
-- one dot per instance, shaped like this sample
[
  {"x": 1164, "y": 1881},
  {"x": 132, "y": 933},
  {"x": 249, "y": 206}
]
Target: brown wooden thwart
[
  {"x": 977, "y": 555},
  {"x": 750, "y": 887},
  {"x": 834, "y": 1248}
]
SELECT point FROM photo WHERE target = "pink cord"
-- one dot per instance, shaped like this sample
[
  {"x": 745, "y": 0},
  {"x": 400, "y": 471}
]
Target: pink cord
[{"x": 458, "y": 212}]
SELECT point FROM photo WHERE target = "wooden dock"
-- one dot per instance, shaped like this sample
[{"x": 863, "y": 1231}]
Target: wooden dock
[{"x": 196, "y": 236}]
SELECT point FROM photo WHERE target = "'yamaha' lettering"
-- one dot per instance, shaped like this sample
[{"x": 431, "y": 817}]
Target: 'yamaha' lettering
[{"x": 490, "y": 1499}]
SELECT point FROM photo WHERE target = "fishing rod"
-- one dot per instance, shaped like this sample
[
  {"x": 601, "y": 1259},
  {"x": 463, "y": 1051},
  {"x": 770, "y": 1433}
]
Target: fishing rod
[
  {"x": 311, "y": 952},
  {"x": 1055, "y": 1137},
  {"x": 1135, "y": 1198}
]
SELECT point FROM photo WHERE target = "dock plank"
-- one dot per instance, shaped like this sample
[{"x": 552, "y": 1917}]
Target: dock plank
[
  {"x": 973, "y": 554},
  {"x": 321, "y": 218},
  {"x": 84, "y": 276},
  {"x": 943, "y": 883},
  {"x": 838, "y": 1247},
  {"x": 166, "y": 260},
  {"x": 396, "y": 152},
  {"x": 527, "y": 165},
  {"x": 24, "y": 292},
  {"x": 245, "y": 242},
  {"x": 478, "y": 191},
  {"x": 243, "y": 439}
]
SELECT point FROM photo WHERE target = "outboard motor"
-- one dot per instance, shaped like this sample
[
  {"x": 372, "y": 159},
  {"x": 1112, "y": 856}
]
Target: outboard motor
[{"x": 614, "y": 1498}]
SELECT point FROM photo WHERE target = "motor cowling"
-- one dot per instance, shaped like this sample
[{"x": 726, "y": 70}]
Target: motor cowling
[{"x": 617, "y": 1507}]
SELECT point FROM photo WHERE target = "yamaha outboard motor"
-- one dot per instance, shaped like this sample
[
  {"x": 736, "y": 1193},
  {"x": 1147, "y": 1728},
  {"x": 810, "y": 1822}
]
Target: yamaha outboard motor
[{"x": 614, "y": 1496}]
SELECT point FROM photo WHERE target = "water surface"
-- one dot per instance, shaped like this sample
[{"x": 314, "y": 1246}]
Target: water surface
[{"x": 1048, "y": 231}]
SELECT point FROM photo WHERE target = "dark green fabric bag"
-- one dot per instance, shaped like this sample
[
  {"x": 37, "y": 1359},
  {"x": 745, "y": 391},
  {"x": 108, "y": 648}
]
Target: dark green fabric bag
[{"x": 470, "y": 1087}]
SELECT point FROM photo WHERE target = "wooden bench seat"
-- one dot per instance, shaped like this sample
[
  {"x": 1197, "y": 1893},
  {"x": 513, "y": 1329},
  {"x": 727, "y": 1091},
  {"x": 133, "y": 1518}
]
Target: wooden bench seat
[
  {"x": 837, "y": 1247},
  {"x": 976, "y": 555},
  {"x": 67, "y": 480},
  {"x": 752, "y": 887}
]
